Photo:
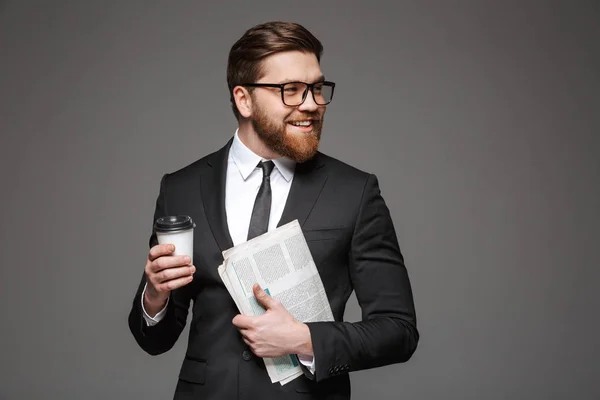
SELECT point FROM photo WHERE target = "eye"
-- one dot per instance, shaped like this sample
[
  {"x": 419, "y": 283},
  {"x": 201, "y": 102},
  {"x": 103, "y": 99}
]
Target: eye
[{"x": 293, "y": 88}]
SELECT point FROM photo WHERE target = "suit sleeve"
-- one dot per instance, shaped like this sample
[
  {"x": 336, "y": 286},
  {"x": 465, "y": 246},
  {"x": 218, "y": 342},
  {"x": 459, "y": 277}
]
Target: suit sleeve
[
  {"x": 161, "y": 337},
  {"x": 387, "y": 333}
]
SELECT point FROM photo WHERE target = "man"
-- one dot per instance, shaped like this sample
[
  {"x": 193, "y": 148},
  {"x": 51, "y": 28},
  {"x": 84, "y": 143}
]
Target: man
[{"x": 279, "y": 96}]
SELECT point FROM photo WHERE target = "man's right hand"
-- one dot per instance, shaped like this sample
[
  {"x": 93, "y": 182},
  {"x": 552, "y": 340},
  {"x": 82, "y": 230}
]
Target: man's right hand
[{"x": 164, "y": 272}]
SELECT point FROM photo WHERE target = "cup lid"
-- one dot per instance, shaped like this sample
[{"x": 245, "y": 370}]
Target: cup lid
[{"x": 174, "y": 223}]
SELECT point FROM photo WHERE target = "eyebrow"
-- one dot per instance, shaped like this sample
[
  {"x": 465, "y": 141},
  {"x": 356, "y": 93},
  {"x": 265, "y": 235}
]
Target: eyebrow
[{"x": 319, "y": 79}]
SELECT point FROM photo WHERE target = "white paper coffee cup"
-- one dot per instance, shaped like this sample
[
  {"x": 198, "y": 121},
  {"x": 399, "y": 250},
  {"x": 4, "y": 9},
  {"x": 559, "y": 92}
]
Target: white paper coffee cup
[{"x": 179, "y": 231}]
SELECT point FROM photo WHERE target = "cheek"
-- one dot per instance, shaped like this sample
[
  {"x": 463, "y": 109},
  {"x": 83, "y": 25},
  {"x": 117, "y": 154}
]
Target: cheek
[
  {"x": 272, "y": 109},
  {"x": 285, "y": 115}
]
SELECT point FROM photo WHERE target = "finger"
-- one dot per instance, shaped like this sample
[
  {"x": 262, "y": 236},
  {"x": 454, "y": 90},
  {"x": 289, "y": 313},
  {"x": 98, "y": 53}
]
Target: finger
[
  {"x": 247, "y": 336},
  {"x": 263, "y": 298},
  {"x": 242, "y": 322},
  {"x": 168, "y": 274},
  {"x": 160, "y": 250},
  {"x": 174, "y": 284},
  {"x": 165, "y": 262},
  {"x": 258, "y": 352}
]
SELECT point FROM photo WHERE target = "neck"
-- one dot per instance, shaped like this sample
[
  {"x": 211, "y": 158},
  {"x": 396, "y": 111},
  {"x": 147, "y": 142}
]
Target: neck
[{"x": 251, "y": 139}]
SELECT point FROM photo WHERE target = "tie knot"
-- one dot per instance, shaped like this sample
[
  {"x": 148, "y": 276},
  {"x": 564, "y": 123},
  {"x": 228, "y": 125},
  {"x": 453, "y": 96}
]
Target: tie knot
[{"x": 267, "y": 167}]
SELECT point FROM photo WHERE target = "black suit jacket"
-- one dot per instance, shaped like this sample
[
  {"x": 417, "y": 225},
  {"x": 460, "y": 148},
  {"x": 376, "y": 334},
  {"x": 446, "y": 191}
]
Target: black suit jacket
[{"x": 350, "y": 234}]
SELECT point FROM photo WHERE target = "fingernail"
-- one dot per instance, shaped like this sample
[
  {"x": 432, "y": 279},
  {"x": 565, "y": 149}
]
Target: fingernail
[{"x": 187, "y": 260}]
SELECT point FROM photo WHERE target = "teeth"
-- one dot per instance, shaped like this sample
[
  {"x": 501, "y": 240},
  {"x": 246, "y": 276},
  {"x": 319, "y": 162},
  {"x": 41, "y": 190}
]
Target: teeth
[{"x": 301, "y": 123}]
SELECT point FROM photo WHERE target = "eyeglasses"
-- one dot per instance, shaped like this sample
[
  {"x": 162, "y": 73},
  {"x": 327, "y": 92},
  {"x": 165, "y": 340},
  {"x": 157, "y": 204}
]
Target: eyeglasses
[{"x": 294, "y": 93}]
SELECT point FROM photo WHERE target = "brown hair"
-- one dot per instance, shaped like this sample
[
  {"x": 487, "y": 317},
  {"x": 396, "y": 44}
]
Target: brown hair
[{"x": 246, "y": 55}]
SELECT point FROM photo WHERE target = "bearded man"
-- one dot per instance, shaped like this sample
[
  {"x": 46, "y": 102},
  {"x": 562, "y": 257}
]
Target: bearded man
[{"x": 279, "y": 96}]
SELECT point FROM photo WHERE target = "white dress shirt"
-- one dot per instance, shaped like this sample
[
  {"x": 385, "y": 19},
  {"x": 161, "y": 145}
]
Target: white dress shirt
[{"x": 243, "y": 180}]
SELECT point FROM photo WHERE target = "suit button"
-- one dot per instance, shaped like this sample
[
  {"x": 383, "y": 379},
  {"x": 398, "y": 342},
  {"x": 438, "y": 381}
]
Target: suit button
[{"x": 247, "y": 355}]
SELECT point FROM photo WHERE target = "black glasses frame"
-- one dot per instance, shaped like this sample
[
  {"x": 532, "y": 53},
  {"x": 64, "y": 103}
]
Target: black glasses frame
[{"x": 309, "y": 86}]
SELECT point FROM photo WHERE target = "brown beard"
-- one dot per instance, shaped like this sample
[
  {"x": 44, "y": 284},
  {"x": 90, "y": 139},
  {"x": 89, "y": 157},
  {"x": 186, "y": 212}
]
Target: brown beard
[{"x": 298, "y": 147}]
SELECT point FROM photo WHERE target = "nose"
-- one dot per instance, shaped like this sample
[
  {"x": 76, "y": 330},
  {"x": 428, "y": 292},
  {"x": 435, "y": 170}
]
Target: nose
[{"x": 309, "y": 103}]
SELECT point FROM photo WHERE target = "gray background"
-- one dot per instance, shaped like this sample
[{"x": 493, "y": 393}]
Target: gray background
[{"x": 480, "y": 119}]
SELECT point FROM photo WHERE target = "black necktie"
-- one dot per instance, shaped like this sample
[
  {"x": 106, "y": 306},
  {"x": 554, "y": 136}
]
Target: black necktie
[{"x": 259, "y": 222}]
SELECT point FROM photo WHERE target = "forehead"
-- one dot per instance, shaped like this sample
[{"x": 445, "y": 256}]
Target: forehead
[{"x": 290, "y": 66}]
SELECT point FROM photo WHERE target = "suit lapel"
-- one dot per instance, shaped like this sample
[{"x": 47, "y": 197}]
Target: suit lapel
[
  {"x": 309, "y": 178},
  {"x": 213, "y": 196}
]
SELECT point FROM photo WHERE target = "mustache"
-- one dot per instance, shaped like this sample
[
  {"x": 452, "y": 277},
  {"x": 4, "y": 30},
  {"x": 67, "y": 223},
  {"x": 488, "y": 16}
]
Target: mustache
[{"x": 304, "y": 117}]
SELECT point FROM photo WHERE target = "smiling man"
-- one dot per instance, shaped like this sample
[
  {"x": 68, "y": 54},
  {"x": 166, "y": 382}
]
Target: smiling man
[{"x": 268, "y": 174}]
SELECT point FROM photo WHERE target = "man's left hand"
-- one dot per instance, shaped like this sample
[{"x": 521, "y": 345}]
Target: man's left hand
[{"x": 275, "y": 333}]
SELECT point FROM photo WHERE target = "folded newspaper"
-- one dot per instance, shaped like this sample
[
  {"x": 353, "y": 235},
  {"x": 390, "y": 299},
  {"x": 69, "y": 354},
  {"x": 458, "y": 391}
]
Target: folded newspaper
[{"x": 281, "y": 263}]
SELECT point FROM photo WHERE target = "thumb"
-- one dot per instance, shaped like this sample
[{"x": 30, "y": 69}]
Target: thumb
[{"x": 263, "y": 297}]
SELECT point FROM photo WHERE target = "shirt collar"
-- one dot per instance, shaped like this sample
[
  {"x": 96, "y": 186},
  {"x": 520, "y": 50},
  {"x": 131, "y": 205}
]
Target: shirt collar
[{"x": 246, "y": 160}]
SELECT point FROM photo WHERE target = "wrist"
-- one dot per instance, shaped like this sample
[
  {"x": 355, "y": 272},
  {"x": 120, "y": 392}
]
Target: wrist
[
  {"x": 154, "y": 300},
  {"x": 304, "y": 345}
]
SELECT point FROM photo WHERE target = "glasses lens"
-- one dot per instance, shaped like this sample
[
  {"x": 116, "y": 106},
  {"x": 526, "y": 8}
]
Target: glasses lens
[
  {"x": 322, "y": 92},
  {"x": 293, "y": 93}
]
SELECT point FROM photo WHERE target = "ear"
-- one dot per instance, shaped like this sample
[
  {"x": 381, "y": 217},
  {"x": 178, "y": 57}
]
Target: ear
[{"x": 243, "y": 101}]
